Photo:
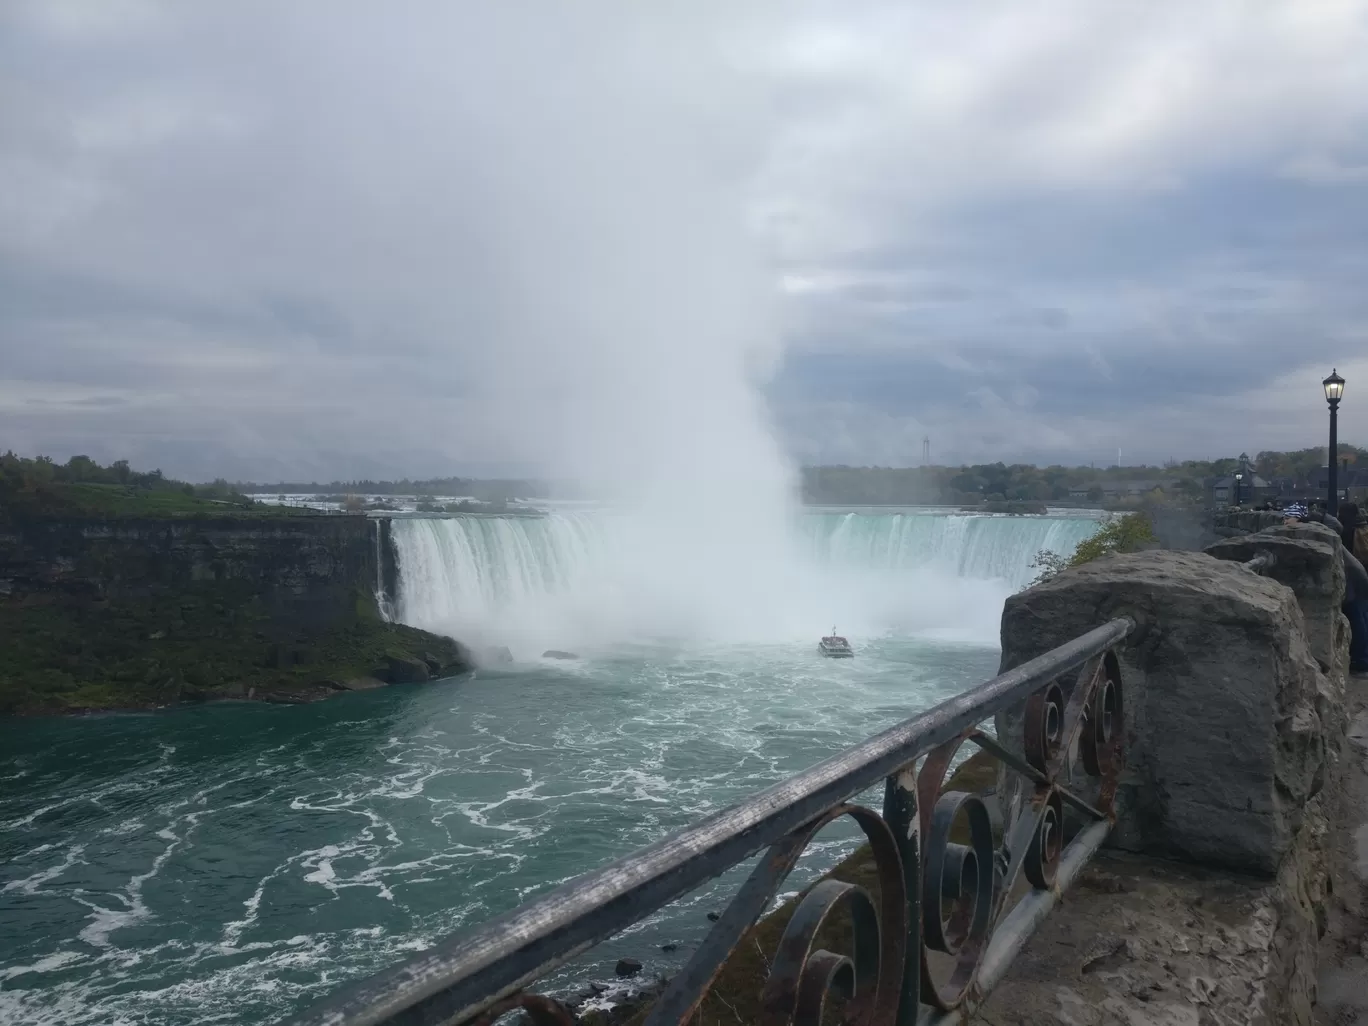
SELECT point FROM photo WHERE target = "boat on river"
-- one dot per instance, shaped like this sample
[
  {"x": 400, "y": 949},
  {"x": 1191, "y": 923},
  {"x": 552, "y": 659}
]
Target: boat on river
[{"x": 833, "y": 646}]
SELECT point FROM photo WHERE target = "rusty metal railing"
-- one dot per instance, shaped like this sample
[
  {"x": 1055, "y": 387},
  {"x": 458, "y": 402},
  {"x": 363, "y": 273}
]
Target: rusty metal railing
[{"x": 935, "y": 895}]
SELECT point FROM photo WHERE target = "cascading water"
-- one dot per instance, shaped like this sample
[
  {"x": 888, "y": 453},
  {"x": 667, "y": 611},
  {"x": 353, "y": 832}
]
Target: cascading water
[
  {"x": 383, "y": 601},
  {"x": 571, "y": 579},
  {"x": 973, "y": 547}
]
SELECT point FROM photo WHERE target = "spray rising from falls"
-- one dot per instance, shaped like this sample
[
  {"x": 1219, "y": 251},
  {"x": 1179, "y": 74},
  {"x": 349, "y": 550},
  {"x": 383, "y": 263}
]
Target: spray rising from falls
[{"x": 579, "y": 580}]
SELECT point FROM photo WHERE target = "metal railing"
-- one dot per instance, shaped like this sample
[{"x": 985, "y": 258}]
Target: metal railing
[{"x": 934, "y": 894}]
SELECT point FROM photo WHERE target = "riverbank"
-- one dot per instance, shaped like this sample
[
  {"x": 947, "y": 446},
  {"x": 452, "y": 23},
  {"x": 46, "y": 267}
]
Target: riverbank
[
  {"x": 198, "y": 645},
  {"x": 147, "y": 612}
]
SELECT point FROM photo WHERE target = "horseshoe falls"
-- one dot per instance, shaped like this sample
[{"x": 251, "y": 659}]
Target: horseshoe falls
[
  {"x": 581, "y": 580},
  {"x": 231, "y": 864}
]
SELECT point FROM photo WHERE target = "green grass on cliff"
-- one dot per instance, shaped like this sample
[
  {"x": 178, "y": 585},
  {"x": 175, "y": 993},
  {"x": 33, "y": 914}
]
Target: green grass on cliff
[
  {"x": 91, "y": 501},
  {"x": 204, "y": 642},
  {"x": 39, "y": 487}
]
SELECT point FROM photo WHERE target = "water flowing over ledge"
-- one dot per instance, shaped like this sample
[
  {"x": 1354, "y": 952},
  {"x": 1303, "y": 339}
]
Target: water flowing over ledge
[{"x": 874, "y": 571}]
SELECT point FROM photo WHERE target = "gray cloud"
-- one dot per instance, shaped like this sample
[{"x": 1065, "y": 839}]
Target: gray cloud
[{"x": 259, "y": 239}]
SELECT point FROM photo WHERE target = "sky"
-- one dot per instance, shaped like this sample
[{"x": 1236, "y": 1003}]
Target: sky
[{"x": 333, "y": 239}]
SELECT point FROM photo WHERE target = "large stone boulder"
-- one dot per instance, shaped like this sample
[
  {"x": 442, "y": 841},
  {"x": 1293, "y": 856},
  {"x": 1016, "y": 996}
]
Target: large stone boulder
[
  {"x": 1225, "y": 743},
  {"x": 1306, "y": 558},
  {"x": 406, "y": 669}
]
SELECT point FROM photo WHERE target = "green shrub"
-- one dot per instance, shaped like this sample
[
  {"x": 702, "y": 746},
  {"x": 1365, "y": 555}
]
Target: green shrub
[{"x": 1129, "y": 533}]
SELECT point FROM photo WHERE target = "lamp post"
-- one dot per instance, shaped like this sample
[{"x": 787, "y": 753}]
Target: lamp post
[
  {"x": 1334, "y": 391},
  {"x": 1238, "y": 478}
]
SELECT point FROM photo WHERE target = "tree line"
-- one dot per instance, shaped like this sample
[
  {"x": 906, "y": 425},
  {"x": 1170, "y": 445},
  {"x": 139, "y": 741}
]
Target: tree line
[
  {"x": 42, "y": 485},
  {"x": 1183, "y": 481},
  {"x": 494, "y": 490},
  {"x": 40, "y": 479}
]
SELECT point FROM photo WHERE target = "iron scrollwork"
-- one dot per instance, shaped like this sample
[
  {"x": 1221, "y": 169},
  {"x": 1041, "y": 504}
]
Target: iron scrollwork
[
  {"x": 964, "y": 888},
  {"x": 949, "y": 867}
]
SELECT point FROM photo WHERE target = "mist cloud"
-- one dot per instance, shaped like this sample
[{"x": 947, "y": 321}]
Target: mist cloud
[{"x": 320, "y": 239}]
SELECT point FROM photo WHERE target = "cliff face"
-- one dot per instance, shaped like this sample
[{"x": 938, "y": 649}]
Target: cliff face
[
  {"x": 148, "y": 612},
  {"x": 309, "y": 569}
]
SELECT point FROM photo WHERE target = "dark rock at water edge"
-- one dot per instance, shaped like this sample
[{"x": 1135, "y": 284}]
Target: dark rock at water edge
[
  {"x": 627, "y": 1005},
  {"x": 555, "y": 653},
  {"x": 402, "y": 669},
  {"x": 627, "y": 967}
]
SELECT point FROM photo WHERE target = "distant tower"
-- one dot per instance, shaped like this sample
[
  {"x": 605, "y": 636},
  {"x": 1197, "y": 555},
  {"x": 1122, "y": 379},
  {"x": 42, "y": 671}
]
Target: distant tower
[{"x": 926, "y": 451}]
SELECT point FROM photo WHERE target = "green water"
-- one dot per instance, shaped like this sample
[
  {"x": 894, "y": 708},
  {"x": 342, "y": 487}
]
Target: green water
[{"x": 230, "y": 864}]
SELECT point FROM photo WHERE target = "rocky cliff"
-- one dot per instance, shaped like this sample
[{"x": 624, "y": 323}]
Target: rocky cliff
[
  {"x": 145, "y": 612},
  {"x": 307, "y": 567},
  {"x": 1234, "y": 723}
]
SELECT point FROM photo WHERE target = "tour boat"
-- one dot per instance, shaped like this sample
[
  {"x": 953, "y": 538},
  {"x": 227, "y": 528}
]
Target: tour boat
[{"x": 833, "y": 646}]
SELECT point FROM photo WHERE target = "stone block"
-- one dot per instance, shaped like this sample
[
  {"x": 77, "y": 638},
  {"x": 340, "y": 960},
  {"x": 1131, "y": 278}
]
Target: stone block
[
  {"x": 1225, "y": 740},
  {"x": 1307, "y": 560}
]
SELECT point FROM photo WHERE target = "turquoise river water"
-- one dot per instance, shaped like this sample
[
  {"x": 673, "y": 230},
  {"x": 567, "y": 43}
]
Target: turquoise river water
[{"x": 231, "y": 864}]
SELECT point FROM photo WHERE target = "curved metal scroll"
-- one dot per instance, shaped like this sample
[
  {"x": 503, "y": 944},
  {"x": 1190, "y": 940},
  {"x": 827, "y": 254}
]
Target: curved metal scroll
[{"x": 946, "y": 868}]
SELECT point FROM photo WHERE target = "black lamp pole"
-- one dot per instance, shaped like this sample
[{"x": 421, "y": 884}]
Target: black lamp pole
[
  {"x": 1334, "y": 391},
  {"x": 1237, "y": 488}
]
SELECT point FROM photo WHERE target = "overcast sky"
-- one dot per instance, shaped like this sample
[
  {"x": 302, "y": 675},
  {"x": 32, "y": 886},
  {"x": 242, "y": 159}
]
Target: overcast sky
[{"x": 264, "y": 239}]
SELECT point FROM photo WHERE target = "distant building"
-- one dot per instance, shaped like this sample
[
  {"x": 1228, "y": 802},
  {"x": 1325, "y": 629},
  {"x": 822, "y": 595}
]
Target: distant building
[
  {"x": 1253, "y": 488},
  {"x": 1352, "y": 482},
  {"x": 1136, "y": 488}
]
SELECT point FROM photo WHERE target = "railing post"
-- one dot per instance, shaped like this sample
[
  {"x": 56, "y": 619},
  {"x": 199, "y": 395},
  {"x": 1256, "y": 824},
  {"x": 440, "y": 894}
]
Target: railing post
[{"x": 901, "y": 815}]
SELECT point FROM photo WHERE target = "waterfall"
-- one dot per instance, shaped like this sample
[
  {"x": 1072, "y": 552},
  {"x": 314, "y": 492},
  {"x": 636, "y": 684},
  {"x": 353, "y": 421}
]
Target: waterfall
[
  {"x": 974, "y": 546},
  {"x": 453, "y": 568},
  {"x": 383, "y": 600},
  {"x": 566, "y": 579}
]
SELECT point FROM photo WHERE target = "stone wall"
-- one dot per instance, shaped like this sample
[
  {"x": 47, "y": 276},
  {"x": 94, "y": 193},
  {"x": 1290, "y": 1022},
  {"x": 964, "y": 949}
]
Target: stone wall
[
  {"x": 1229, "y": 718},
  {"x": 1307, "y": 559},
  {"x": 1235, "y": 722},
  {"x": 1228, "y": 523}
]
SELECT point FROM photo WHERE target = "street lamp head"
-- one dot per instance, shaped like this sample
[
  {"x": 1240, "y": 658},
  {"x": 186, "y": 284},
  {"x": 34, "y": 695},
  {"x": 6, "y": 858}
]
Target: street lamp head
[
  {"x": 1334, "y": 388},
  {"x": 1239, "y": 477}
]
